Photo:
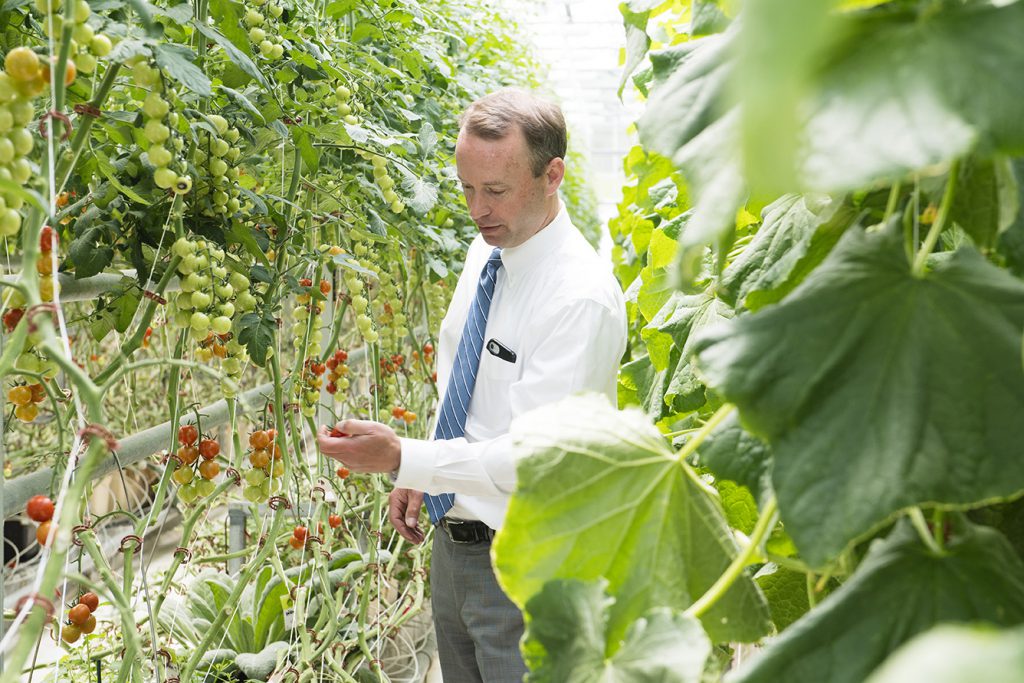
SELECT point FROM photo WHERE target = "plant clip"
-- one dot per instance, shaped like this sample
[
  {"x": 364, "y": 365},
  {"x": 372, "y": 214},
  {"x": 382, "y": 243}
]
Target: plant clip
[
  {"x": 170, "y": 456},
  {"x": 102, "y": 432},
  {"x": 312, "y": 635},
  {"x": 31, "y": 311},
  {"x": 372, "y": 566},
  {"x": 326, "y": 555},
  {"x": 185, "y": 552},
  {"x": 293, "y": 670},
  {"x": 291, "y": 591},
  {"x": 376, "y": 664},
  {"x": 85, "y": 526},
  {"x": 233, "y": 473},
  {"x": 263, "y": 541},
  {"x": 279, "y": 322},
  {"x": 86, "y": 109},
  {"x": 278, "y": 502},
  {"x": 55, "y": 115},
  {"x": 154, "y": 296},
  {"x": 165, "y": 654},
  {"x": 317, "y": 539},
  {"x": 130, "y": 537},
  {"x": 172, "y": 679},
  {"x": 313, "y": 492},
  {"x": 34, "y": 599},
  {"x": 376, "y": 533}
]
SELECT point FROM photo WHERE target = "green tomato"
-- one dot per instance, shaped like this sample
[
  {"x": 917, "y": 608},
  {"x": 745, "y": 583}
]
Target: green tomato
[
  {"x": 85, "y": 63},
  {"x": 227, "y": 309},
  {"x": 200, "y": 300},
  {"x": 23, "y": 142},
  {"x": 218, "y": 167},
  {"x": 266, "y": 48},
  {"x": 160, "y": 156},
  {"x": 277, "y": 11},
  {"x": 239, "y": 281},
  {"x": 342, "y": 93},
  {"x": 6, "y": 149},
  {"x": 156, "y": 132},
  {"x": 183, "y": 185},
  {"x": 82, "y": 11},
  {"x": 221, "y": 324},
  {"x": 224, "y": 291},
  {"x": 199, "y": 321},
  {"x": 23, "y": 111},
  {"x": 154, "y": 106},
  {"x": 257, "y": 35},
  {"x": 277, "y": 52},
  {"x": 145, "y": 76},
  {"x": 83, "y": 33},
  {"x": 253, "y": 18},
  {"x": 220, "y": 147},
  {"x": 232, "y": 366},
  {"x": 255, "y": 477},
  {"x": 253, "y": 494},
  {"x": 100, "y": 45},
  {"x": 245, "y": 301},
  {"x": 10, "y": 222}
]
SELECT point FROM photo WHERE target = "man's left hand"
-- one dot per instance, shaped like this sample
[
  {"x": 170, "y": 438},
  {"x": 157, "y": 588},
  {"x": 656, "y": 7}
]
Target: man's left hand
[{"x": 368, "y": 446}]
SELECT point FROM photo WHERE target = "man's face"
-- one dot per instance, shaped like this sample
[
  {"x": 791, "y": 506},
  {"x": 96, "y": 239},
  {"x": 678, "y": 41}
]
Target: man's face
[{"x": 505, "y": 200}]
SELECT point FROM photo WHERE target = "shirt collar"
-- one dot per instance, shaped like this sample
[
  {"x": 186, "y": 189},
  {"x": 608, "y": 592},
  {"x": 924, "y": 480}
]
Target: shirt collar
[{"x": 518, "y": 261}]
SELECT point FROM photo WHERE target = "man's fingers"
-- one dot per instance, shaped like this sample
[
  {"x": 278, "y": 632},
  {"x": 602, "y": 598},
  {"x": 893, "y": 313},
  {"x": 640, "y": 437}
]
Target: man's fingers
[
  {"x": 398, "y": 505},
  {"x": 412, "y": 510}
]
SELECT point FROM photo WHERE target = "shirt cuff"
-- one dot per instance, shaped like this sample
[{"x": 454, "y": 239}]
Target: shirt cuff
[{"x": 419, "y": 459}]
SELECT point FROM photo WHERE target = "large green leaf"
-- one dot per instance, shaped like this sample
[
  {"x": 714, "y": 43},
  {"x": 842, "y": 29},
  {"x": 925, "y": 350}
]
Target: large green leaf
[
  {"x": 567, "y": 640},
  {"x": 600, "y": 495},
  {"x": 986, "y": 201},
  {"x": 879, "y": 390},
  {"x": 901, "y": 589},
  {"x": 786, "y": 593},
  {"x": 731, "y": 452},
  {"x": 668, "y": 337},
  {"x": 957, "y": 654},
  {"x": 795, "y": 235},
  {"x": 177, "y": 61}
]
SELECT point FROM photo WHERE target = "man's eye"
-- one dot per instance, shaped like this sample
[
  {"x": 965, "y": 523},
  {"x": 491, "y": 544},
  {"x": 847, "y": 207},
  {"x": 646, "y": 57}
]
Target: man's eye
[{"x": 497, "y": 193}]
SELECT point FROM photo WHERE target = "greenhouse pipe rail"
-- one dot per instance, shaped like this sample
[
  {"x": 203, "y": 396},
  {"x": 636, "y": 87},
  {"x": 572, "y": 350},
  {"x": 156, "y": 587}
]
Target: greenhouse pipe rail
[
  {"x": 72, "y": 289},
  {"x": 136, "y": 447}
]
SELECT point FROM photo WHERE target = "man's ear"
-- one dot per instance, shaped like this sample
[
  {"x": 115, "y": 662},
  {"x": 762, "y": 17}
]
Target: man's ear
[{"x": 554, "y": 174}]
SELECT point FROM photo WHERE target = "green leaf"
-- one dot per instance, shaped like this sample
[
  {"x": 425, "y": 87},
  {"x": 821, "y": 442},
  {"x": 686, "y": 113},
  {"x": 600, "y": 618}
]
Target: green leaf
[
  {"x": 179, "y": 14},
  {"x": 420, "y": 194},
  {"x": 901, "y": 589},
  {"x": 598, "y": 489},
  {"x": 873, "y": 385},
  {"x": 567, "y": 640},
  {"x": 27, "y": 194},
  {"x": 669, "y": 343},
  {"x": 177, "y": 61},
  {"x": 239, "y": 58},
  {"x": 227, "y": 15},
  {"x": 786, "y": 593},
  {"x": 796, "y": 234},
  {"x": 257, "y": 333},
  {"x": 641, "y": 384},
  {"x": 730, "y": 452},
  {"x": 427, "y": 138},
  {"x": 987, "y": 199},
  {"x": 957, "y": 654},
  {"x": 637, "y": 42},
  {"x": 310, "y": 155},
  {"x": 109, "y": 171},
  {"x": 244, "y": 102},
  {"x": 126, "y": 304},
  {"x": 88, "y": 254}
]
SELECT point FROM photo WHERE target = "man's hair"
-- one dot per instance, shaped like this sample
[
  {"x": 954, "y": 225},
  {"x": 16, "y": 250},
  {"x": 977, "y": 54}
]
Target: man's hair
[{"x": 492, "y": 116}]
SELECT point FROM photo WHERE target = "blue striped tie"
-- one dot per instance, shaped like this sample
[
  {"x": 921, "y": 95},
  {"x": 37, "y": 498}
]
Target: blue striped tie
[{"x": 451, "y": 422}]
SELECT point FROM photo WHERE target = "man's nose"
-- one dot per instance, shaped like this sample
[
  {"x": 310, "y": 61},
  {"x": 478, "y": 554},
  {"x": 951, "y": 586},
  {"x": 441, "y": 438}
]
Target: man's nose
[{"x": 478, "y": 209}]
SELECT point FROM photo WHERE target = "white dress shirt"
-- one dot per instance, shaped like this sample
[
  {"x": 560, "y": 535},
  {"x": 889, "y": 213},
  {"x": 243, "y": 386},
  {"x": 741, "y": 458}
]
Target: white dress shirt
[{"x": 559, "y": 308}]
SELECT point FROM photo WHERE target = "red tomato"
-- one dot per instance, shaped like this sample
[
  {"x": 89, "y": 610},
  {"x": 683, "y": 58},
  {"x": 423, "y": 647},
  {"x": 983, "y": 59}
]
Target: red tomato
[
  {"x": 39, "y": 508},
  {"x": 187, "y": 434}
]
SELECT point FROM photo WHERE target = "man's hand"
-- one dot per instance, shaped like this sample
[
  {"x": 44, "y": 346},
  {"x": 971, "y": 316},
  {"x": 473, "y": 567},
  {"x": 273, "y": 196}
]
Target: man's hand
[
  {"x": 404, "y": 510},
  {"x": 368, "y": 446}
]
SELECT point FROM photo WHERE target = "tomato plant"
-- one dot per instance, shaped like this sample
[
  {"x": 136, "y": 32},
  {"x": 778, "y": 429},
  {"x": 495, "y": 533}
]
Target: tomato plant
[{"x": 228, "y": 223}]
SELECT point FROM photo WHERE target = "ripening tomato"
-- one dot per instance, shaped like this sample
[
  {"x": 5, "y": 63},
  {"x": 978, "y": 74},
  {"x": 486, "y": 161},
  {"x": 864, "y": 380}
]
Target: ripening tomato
[
  {"x": 300, "y": 532},
  {"x": 343, "y": 472},
  {"x": 325, "y": 287},
  {"x": 209, "y": 469},
  {"x": 43, "y": 532},
  {"x": 188, "y": 454},
  {"x": 187, "y": 434},
  {"x": 90, "y": 600},
  {"x": 428, "y": 349},
  {"x": 209, "y": 448},
  {"x": 39, "y": 508},
  {"x": 259, "y": 440},
  {"x": 90, "y": 625},
  {"x": 397, "y": 412},
  {"x": 79, "y": 614},
  {"x": 295, "y": 543},
  {"x": 334, "y": 521},
  {"x": 46, "y": 237},
  {"x": 70, "y": 633},
  {"x": 20, "y": 395},
  {"x": 38, "y": 392},
  {"x": 259, "y": 457}
]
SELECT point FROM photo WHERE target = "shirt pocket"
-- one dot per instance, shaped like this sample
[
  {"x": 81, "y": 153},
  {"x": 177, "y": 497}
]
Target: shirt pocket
[{"x": 494, "y": 369}]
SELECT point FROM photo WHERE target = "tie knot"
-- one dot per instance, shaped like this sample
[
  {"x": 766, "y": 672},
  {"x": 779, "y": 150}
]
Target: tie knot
[{"x": 495, "y": 258}]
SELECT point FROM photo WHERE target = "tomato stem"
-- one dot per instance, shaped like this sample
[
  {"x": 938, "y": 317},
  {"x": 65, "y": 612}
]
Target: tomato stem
[{"x": 917, "y": 269}]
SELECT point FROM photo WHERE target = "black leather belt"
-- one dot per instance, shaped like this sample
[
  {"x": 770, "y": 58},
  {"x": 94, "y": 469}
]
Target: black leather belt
[{"x": 466, "y": 532}]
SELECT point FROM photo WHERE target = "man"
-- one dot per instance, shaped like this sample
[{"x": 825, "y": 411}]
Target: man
[{"x": 536, "y": 316}]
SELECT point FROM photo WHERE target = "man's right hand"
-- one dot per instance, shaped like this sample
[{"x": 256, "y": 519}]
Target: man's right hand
[{"x": 404, "y": 510}]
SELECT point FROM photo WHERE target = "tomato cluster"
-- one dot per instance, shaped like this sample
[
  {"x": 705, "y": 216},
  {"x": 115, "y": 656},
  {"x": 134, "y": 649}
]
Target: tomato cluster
[
  {"x": 264, "y": 32},
  {"x": 337, "y": 373},
  {"x": 40, "y": 509},
  {"x": 211, "y": 296},
  {"x": 26, "y": 399},
  {"x": 21, "y": 80},
  {"x": 265, "y": 456},
  {"x": 80, "y": 618},
  {"x": 189, "y": 453},
  {"x": 86, "y": 43}
]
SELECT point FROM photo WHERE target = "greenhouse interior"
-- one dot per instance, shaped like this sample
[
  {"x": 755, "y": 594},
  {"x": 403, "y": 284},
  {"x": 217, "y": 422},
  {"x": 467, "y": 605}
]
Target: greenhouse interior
[{"x": 559, "y": 341}]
